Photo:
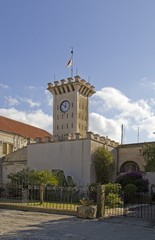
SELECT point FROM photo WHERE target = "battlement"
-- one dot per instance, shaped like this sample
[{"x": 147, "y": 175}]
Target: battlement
[
  {"x": 107, "y": 141},
  {"x": 90, "y": 135},
  {"x": 71, "y": 84}
]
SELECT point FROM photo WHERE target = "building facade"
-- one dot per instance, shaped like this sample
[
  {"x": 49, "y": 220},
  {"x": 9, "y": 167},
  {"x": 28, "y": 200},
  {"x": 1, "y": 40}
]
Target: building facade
[
  {"x": 72, "y": 145},
  {"x": 15, "y": 135}
]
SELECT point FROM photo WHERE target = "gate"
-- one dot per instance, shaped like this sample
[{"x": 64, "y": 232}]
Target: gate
[{"x": 140, "y": 205}]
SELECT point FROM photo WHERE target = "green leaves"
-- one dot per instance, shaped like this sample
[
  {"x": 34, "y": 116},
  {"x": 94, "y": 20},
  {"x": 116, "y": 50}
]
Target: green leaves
[
  {"x": 148, "y": 151},
  {"x": 43, "y": 178},
  {"x": 103, "y": 163}
]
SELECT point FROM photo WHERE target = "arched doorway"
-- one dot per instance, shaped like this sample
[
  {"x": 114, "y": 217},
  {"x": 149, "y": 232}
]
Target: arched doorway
[{"x": 129, "y": 166}]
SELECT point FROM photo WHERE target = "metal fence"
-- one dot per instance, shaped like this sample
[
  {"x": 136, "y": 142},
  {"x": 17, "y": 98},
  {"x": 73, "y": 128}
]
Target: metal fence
[
  {"x": 65, "y": 198},
  {"x": 140, "y": 205}
]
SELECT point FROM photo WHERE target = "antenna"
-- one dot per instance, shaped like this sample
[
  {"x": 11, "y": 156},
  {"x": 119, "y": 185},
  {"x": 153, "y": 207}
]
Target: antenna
[
  {"x": 122, "y": 134},
  {"x": 138, "y": 135},
  {"x": 76, "y": 71}
]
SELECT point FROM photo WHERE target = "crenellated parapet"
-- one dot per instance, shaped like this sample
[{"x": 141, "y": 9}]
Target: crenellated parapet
[
  {"x": 90, "y": 135},
  {"x": 71, "y": 84},
  {"x": 105, "y": 140}
]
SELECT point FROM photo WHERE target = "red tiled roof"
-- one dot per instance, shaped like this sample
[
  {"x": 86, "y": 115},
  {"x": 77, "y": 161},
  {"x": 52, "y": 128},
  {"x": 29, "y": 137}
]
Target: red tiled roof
[{"x": 22, "y": 129}]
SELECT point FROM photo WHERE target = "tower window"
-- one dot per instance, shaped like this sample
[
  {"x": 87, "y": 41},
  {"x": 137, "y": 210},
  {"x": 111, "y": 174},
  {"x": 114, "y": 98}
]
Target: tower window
[
  {"x": 67, "y": 125},
  {"x": 57, "y": 127},
  {"x": 72, "y": 105},
  {"x": 72, "y": 114},
  {"x": 72, "y": 125},
  {"x": 62, "y": 126},
  {"x": 67, "y": 115}
]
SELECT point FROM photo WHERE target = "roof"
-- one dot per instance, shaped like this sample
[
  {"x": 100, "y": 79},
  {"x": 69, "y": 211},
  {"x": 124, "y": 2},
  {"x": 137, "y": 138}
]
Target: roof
[{"x": 22, "y": 129}]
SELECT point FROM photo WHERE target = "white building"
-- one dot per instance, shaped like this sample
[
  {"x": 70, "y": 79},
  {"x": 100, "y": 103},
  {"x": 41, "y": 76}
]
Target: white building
[{"x": 72, "y": 144}]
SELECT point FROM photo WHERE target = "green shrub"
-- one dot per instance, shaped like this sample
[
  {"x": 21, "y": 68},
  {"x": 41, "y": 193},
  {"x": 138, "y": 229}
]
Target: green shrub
[
  {"x": 93, "y": 191},
  {"x": 113, "y": 200},
  {"x": 113, "y": 188},
  {"x": 130, "y": 189},
  {"x": 133, "y": 178}
]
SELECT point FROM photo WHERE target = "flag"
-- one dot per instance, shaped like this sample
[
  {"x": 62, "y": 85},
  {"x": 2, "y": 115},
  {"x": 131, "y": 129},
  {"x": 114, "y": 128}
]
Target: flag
[{"x": 70, "y": 63}]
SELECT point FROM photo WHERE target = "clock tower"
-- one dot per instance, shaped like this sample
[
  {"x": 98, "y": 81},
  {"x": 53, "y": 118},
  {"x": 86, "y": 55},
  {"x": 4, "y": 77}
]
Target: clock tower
[{"x": 70, "y": 106}]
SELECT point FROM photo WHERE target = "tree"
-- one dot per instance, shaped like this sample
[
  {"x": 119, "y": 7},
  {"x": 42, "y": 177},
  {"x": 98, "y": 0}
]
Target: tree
[
  {"x": 104, "y": 164},
  {"x": 20, "y": 178},
  {"x": 27, "y": 177},
  {"x": 148, "y": 152},
  {"x": 43, "y": 178}
]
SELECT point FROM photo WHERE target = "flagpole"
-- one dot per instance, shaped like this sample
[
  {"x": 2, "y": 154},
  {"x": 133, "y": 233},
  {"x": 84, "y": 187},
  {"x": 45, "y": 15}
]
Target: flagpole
[{"x": 72, "y": 63}]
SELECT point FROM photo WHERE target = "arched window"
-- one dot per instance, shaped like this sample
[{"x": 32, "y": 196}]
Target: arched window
[{"x": 129, "y": 166}]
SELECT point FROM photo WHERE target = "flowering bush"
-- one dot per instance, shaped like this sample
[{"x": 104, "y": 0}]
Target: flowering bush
[{"x": 135, "y": 178}]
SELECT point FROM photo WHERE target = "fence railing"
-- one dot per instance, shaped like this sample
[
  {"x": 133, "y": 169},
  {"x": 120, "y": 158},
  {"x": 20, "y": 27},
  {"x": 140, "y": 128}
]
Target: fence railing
[{"x": 68, "y": 198}]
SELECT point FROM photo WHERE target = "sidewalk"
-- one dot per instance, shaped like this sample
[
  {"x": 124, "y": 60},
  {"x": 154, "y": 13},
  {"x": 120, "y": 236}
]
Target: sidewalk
[{"x": 20, "y": 225}]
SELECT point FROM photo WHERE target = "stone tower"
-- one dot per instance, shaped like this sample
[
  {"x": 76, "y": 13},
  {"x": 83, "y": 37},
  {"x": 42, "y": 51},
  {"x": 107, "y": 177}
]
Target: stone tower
[{"x": 70, "y": 107}]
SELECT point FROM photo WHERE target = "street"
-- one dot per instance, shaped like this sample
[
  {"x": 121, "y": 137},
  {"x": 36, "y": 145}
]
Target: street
[{"x": 23, "y": 225}]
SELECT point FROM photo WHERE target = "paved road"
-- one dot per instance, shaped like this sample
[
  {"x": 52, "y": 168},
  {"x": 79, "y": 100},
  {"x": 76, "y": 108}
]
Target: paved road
[{"x": 20, "y": 225}]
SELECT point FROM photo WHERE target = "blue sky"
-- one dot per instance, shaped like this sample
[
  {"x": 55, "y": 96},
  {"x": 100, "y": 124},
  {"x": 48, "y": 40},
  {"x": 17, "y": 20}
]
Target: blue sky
[{"x": 114, "y": 49}]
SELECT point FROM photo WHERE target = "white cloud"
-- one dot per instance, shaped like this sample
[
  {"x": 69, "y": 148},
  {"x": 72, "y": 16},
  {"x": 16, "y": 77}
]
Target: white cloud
[
  {"x": 3, "y": 86},
  {"x": 35, "y": 118},
  {"x": 146, "y": 82},
  {"x": 111, "y": 109},
  {"x": 110, "y": 99},
  {"x": 122, "y": 110},
  {"x": 106, "y": 127},
  {"x": 31, "y": 102},
  {"x": 10, "y": 101},
  {"x": 49, "y": 98},
  {"x": 30, "y": 87},
  {"x": 14, "y": 101}
]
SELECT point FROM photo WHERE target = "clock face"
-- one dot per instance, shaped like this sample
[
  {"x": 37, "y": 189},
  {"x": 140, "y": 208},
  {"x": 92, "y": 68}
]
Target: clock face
[{"x": 65, "y": 105}]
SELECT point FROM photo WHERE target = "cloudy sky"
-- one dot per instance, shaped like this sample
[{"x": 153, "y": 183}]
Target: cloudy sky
[{"x": 113, "y": 49}]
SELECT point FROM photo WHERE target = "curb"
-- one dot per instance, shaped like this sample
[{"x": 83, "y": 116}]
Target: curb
[{"x": 38, "y": 209}]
